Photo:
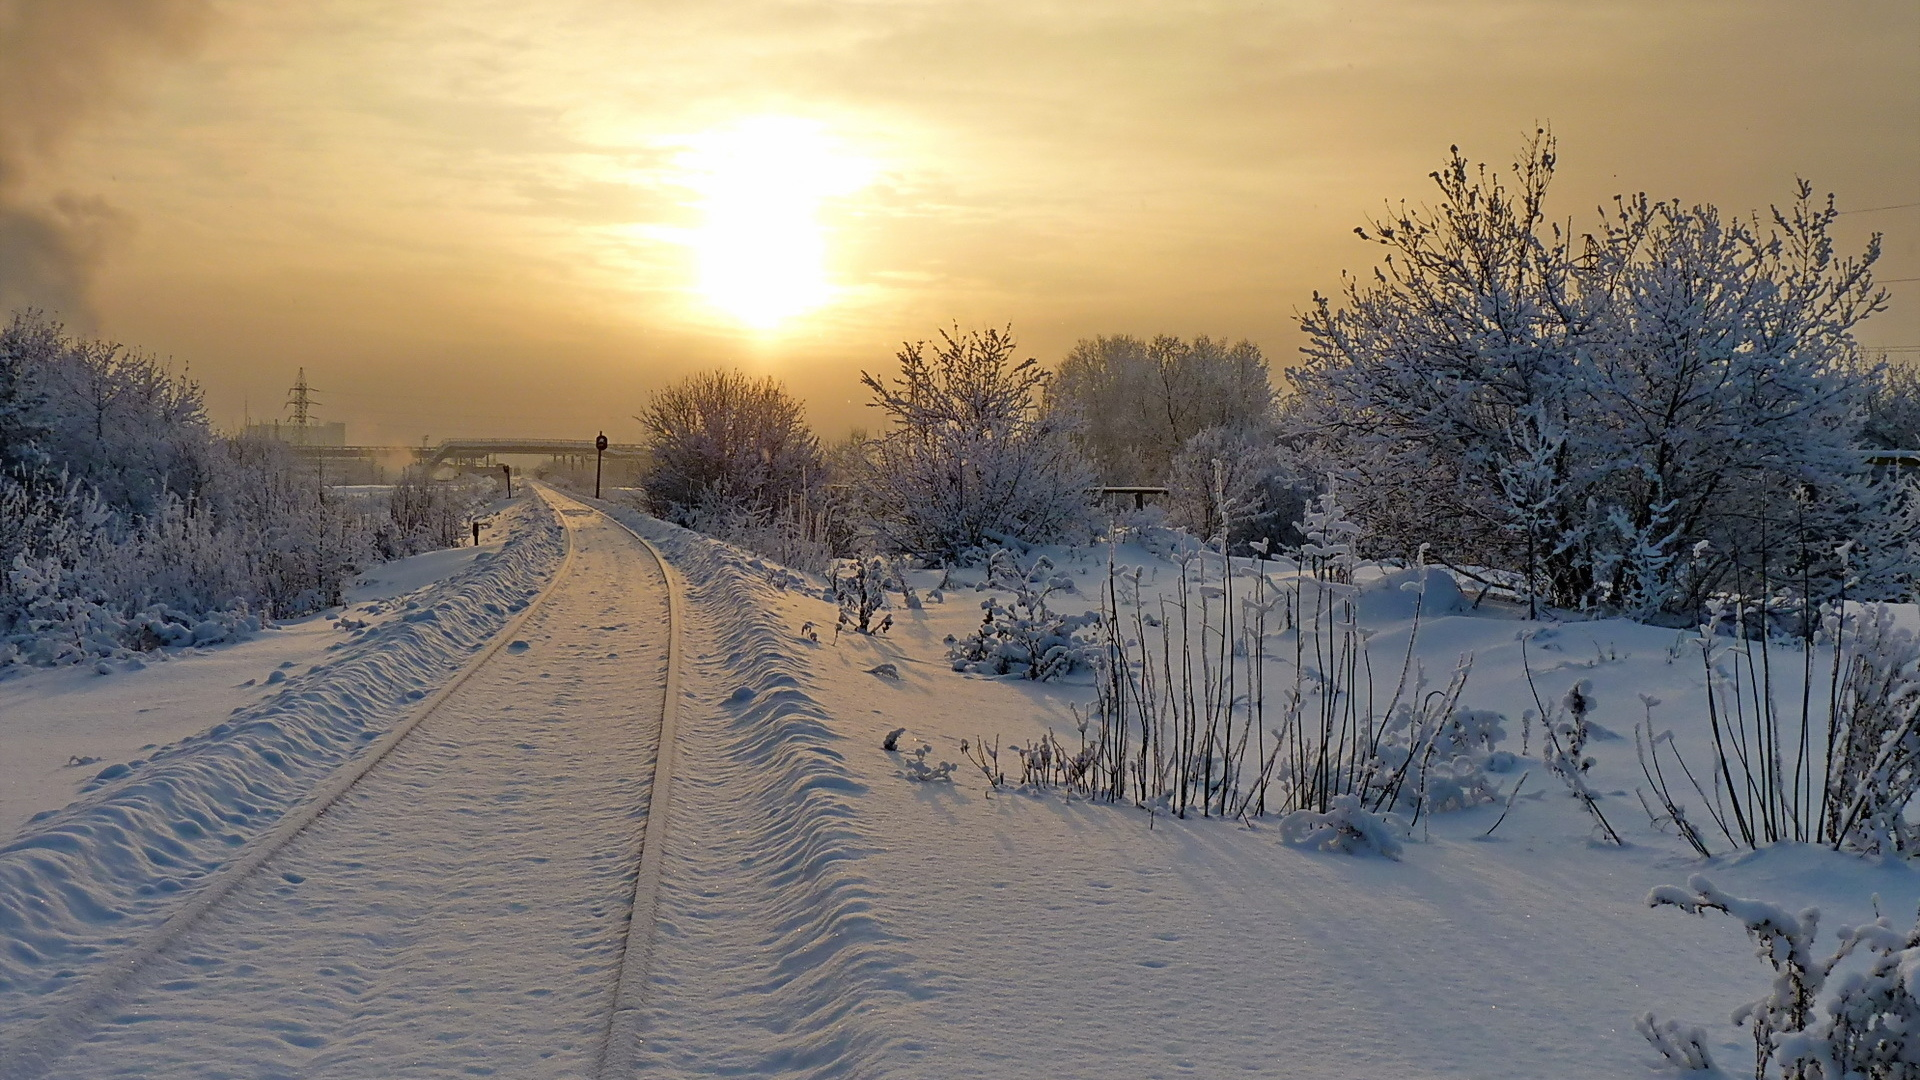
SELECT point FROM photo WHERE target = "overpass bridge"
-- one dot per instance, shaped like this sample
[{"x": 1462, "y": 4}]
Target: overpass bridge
[
  {"x": 462, "y": 455},
  {"x": 480, "y": 452}
]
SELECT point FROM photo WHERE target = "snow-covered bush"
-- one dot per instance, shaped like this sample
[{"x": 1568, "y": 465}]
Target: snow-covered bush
[
  {"x": 425, "y": 515},
  {"x": 1873, "y": 741},
  {"x": 126, "y": 522},
  {"x": 1867, "y": 1028},
  {"x": 1564, "y": 733},
  {"x": 1025, "y": 636},
  {"x": 261, "y": 538},
  {"x": 1195, "y": 416},
  {"x": 1434, "y": 757},
  {"x": 1346, "y": 826},
  {"x": 1136, "y": 404},
  {"x": 115, "y": 422},
  {"x": 1893, "y": 406},
  {"x": 858, "y": 587},
  {"x": 720, "y": 442},
  {"x": 1684, "y": 1046},
  {"x": 1635, "y": 421},
  {"x": 1232, "y": 487},
  {"x": 1843, "y": 772},
  {"x": 969, "y": 460}
]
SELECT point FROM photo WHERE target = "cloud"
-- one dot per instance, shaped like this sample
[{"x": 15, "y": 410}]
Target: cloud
[{"x": 67, "y": 61}]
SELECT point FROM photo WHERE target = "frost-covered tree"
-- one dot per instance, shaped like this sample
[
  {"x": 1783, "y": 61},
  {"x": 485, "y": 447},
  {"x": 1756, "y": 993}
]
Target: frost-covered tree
[
  {"x": 1441, "y": 374},
  {"x": 1893, "y": 406},
  {"x": 424, "y": 514},
  {"x": 1138, "y": 403},
  {"x": 722, "y": 443},
  {"x": 1719, "y": 368},
  {"x": 969, "y": 458},
  {"x": 116, "y": 421},
  {"x": 1666, "y": 409},
  {"x": 1235, "y": 485},
  {"x": 23, "y": 422},
  {"x": 127, "y": 522}
]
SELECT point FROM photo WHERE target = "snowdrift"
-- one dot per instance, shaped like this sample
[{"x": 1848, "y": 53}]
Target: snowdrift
[
  {"x": 77, "y": 883},
  {"x": 766, "y": 848}
]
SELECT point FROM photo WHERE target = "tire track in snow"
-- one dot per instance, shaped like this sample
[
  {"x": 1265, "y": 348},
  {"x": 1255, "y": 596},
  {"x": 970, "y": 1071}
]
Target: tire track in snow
[
  {"x": 619, "y": 1047},
  {"x": 81, "y": 887},
  {"x": 771, "y": 956},
  {"x": 404, "y": 926}
]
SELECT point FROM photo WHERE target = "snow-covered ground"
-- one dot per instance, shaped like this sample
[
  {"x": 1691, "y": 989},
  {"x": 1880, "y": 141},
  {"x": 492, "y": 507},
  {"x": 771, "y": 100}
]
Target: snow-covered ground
[
  {"x": 821, "y": 913},
  {"x": 79, "y": 882},
  {"x": 1051, "y": 936},
  {"x": 60, "y": 726},
  {"x": 463, "y": 910}
]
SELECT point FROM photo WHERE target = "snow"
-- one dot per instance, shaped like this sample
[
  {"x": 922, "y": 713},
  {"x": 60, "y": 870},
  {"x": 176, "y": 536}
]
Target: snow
[
  {"x": 829, "y": 908},
  {"x": 772, "y": 956},
  {"x": 51, "y": 718},
  {"x": 76, "y": 882},
  {"x": 1095, "y": 940},
  {"x": 463, "y": 910}
]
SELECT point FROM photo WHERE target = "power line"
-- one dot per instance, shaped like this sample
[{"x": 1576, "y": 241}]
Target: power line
[{"x": 1872, "y": 209}]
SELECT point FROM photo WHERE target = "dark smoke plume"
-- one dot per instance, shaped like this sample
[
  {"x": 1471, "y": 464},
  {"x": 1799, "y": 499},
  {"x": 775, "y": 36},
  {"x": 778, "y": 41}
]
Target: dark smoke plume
[{"x": 63, "y": 62}]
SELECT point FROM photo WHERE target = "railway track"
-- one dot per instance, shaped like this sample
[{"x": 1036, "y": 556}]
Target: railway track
[{"x": 474, "y": 893}]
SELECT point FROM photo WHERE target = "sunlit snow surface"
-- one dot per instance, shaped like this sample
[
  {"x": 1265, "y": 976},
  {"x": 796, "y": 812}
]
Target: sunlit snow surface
[
  {"x": 823, "y": 915},
  {"x": 1059, "y": 938},
  {"x": 59, "y": 727},
  {"x": 80, "y": 882},
  {"x": 462, "y": 909}
]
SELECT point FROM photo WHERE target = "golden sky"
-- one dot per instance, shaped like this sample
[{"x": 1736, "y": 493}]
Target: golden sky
[{"x": 491, "y": 217}]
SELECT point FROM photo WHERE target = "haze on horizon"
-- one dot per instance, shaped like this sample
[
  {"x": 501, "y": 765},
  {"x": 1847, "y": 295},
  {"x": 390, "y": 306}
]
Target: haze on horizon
[{"x": 517, "y": 219}]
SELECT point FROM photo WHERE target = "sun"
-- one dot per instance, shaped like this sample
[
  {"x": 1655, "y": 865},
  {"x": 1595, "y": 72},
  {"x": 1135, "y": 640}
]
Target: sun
[{"x": 761, "y": 248}]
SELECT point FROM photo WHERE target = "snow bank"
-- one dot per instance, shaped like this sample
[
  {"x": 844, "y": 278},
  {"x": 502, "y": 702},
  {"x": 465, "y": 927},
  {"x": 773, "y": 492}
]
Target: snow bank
[
  {"x": 1396, "y": 595},
  {"x": 79, "y": 882},
  {"x": 766, "y": 856}
]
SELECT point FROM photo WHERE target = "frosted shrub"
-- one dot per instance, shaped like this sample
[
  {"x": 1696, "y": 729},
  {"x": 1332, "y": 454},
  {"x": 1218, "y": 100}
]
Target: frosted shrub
[
  {"x": 1873, "y": 763},
  {"x": 719, "y": 441},
  {"x": 1845, "y": 773},
  {"x": 426, "y": 515},
  {"x": 1684, "y": 1047},
  {"x": 969, "y": 459},
  {"x": 1345, "y": 826},
  {"x": 1025, "y": 636},
  {"x": 1564, "y": 732},
  {"x": 1231, "y": 487},
  {"x": 1433, "y": 757},
  {"x": 1137, "y": 403},
  {"x": 164, "y": 533},
  {"x": 859, "y": 589},
  {"x": 1579, "y": 417},
  {"x": 1869, "y": 1025}
]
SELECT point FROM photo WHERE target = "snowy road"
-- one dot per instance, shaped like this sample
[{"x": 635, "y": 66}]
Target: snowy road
[{"x": 463, "y": 909}]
